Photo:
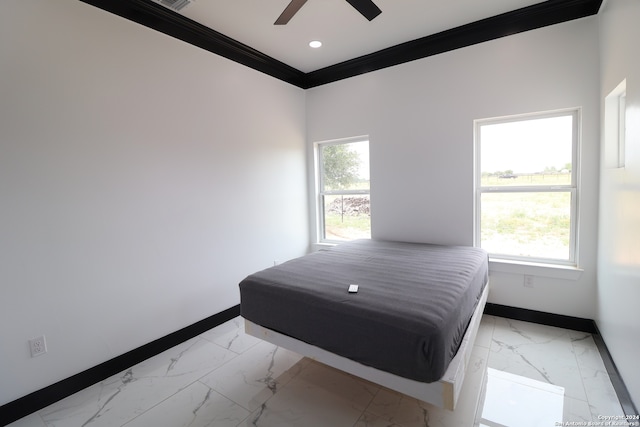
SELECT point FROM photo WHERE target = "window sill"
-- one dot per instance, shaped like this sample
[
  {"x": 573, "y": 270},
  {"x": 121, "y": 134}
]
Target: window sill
[
  {"x": 318, "y": 246},
  {"x": 555, "y": 271}
]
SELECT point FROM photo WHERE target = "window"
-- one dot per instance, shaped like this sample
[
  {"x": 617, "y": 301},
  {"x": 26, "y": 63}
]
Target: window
[
  {"x": 615, "y": 126},
  {"x": 526, "y": 186},
  {"x": 342, "y": 170}
]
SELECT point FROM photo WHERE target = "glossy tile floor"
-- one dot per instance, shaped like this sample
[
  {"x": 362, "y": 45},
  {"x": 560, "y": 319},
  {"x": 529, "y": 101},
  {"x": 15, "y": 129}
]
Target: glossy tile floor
[{"x": 521, "y": 374}]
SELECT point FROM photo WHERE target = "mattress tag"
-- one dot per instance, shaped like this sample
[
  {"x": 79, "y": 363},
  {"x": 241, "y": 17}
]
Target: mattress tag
[{"x": 353, "y": 289}]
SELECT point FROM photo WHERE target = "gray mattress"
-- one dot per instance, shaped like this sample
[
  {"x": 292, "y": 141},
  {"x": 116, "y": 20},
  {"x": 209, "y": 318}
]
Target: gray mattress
[{"x": 408, "y": 317}]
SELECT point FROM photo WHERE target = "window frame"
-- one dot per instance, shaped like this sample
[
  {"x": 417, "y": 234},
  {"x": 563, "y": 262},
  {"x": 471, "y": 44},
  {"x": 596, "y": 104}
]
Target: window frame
[
  {"x": 320, "y": 193},
  {"x": 572, "y": 188},
  {"x": 615, "y": 127}
]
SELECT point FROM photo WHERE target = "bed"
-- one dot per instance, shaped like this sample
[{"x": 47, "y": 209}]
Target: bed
[{"x": 409, "y": 327}]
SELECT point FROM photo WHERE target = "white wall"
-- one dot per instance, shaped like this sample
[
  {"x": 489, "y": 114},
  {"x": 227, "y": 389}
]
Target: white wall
[
  {"x": 618, "y": 315},
  {"x": 140, "y": 179},
  {"x": 419, "y": 117}
]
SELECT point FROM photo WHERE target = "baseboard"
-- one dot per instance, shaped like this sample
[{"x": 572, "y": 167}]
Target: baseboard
[
  {"x": 621, "y": 389},
  {"x": 40, "y": 399},
  {"x": 37, "y": 400},
  {"x": 541, "y": 317},
  {"x": 576, "y": 324}
]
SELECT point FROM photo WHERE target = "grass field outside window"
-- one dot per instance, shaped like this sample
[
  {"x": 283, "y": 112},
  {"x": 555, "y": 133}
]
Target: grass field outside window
[
  {"x": 343, "y": 189},
  {"x": 526, "y": 186}
]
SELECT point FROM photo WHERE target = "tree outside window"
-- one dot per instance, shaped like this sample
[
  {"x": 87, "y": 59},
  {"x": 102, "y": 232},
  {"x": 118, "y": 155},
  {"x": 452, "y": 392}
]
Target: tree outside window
[{"x": 343, "y": 190}]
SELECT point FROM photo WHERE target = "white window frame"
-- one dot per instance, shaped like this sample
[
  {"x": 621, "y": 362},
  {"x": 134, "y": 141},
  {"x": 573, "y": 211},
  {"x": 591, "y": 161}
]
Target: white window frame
[
  {"x": 319, "y": 186},
  {"x": 572, "y": 188},
  {"x": 615, "y": 126}
]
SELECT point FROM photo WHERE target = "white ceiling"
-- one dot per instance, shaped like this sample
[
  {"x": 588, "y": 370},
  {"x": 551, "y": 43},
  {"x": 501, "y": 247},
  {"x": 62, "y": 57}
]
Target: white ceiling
[{"x": 344, "y": 32}]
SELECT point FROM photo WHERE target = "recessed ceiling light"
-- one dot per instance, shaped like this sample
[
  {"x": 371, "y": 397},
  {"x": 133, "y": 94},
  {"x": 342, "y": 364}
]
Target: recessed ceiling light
[{"x": 315, "y": 44}]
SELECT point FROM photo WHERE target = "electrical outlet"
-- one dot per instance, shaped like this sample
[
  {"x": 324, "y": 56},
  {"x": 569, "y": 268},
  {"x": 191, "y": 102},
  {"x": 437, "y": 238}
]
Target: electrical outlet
[{"x": 38, "y": 346}]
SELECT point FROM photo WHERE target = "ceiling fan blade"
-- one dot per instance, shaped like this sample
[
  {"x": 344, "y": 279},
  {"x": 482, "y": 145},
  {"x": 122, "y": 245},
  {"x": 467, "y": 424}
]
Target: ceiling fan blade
[
  {"x": 289, "y": 11},
  {"x": 367, "y": 8}
]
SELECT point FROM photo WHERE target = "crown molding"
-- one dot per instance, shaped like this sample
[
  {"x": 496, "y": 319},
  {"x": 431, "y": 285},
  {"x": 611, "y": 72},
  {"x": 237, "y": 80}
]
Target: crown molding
[
  {"x": 160, "y": 18},
  {"x": 157, "y": 17},
  {"x": 529, "y": 18}
]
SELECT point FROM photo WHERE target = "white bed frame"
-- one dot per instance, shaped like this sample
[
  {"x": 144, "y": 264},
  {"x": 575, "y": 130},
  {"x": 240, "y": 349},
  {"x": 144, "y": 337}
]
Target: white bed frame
[{"x": 443, "y": 393}]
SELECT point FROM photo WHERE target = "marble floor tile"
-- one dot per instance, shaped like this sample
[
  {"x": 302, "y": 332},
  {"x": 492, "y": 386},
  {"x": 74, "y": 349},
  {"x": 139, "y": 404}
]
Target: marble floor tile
[
  {"x": 194, "y": 406},
  {"x": 318, "y": 396},
  {"x": 126, "y": 395},
  {"x": 515, "y": 400},
  {"x": 234, "y": 325},
  {"x": 369, "y": 420},
  {"x": 538, "y": 352},
  {"x": 357, "y": 391},
  {"x": 601, "y": 395},
  {"x": 254, "y": 376},
  {"x": 582, "y": 339},
  {"x": 227, "y": 378},
  {"x": 576, "y": 410},
  {"x": 398, "y": 409},
  {"x": 32, "y": 420},
  {"x": 230, "y": 335}
]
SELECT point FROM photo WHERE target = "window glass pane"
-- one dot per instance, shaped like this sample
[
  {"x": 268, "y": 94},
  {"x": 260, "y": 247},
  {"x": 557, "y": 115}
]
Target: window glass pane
[
  {"x": 562, "y": 177},
  {"x": 527, "y": 152},
  {"x": 526, "y": 224},
  {"x": 345, "y": 166},
  {"x": 347, "y": 217}
]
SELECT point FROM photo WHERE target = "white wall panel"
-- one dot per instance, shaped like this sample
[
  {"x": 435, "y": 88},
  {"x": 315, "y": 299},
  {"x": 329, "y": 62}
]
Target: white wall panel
[
  {"x": 419, "y": 117},
  {"x": 618, "y": 315},
  {"x": 141, "y": 179}
]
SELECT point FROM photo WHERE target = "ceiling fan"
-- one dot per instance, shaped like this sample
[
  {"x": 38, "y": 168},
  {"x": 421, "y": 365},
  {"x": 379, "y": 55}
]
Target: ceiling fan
[{"x": 366, "y": 7}]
